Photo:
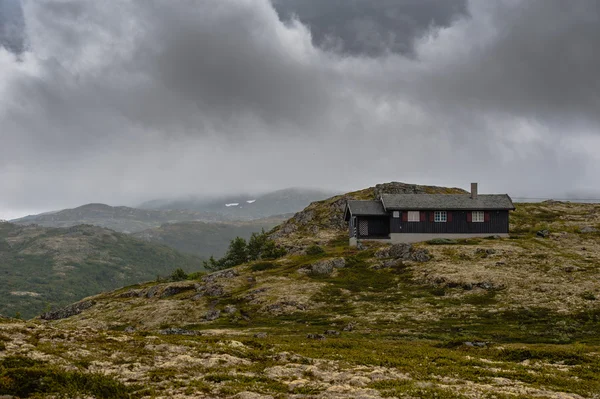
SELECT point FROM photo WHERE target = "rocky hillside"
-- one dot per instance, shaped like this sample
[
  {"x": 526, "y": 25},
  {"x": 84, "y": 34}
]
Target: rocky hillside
[
  {"x": 42, "y": 268},
  {"x": 481, "y": 318},
  {"x": 119, "y": 218},
  {"x": 205, "y": 239},
  {"x": 323, "y": 221}
]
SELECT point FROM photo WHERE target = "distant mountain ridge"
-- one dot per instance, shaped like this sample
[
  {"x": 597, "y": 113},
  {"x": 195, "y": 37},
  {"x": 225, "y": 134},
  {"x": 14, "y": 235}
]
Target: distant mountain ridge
[
  {"x": 246, "y": 206},
  {"x": 119, "y": 218},
  {"x": 153, "y": 214}
]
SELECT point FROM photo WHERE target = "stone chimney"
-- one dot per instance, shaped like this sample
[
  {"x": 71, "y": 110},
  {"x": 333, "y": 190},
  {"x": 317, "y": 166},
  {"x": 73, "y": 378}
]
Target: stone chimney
[{"x": 474, "y": 190}]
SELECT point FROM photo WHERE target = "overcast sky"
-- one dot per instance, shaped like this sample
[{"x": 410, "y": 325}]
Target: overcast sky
[{"x": 123, "y": 101}]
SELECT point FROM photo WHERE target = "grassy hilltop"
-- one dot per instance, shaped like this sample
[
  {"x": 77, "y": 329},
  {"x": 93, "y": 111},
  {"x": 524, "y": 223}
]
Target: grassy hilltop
[{"x": 481, "y": 318}]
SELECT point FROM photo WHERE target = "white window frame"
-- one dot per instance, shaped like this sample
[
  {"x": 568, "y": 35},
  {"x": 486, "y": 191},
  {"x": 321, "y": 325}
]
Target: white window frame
[
  {"x": 478, "y": 216},
  {"x": 440, "y": 216},
  {"x": 396, "y": 214},
  {"x": 414, "y": 216}
]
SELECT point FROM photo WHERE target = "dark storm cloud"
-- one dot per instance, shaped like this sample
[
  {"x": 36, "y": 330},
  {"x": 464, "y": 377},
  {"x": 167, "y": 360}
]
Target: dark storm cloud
[
  {"x": 370, "y": 27},
  {"x": 126, "y": 100},
  {"x": 11, "y": 26}
]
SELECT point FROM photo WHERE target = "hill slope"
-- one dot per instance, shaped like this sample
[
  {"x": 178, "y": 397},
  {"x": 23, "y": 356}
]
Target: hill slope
[
  {"x": 205, "y": 239},
  {"x": 120, "y": 218},
  {"x": 323, "y": 221},
  {"x": 46, "y": 267},
  {"x": 481, "y": 318}
]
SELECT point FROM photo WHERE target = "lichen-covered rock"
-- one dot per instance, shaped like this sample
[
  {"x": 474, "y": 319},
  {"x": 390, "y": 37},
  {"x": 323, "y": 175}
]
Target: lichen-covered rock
[
  {"x": 420, "y": 255},
  {"x": 212, "y": 315},
  {"x": 400, "y": 251},
  {"x": 177, "y": 331},
  {"x": 68, "y": 311},
  {"x": 223, "y": 274},
  {"x": 588, "y": 229},
  {"x": 152, "y": 291},
  {"x": 131, "y": 294},
  {"x": 176, "y": 289},
  {"x": 327, "y": 266}
]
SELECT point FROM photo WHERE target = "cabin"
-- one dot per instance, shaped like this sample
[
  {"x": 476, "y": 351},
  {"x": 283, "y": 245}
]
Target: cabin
[{"x": 409, "y": 218}]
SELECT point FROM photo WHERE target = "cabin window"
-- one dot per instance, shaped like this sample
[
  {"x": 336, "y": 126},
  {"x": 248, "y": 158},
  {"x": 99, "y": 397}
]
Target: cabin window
[
  {"x": 440, "y": 216},
  {"x": 478, "y": 216},
  {"x": 414, "y": 216},
  {"x": 396, "y": 214}
]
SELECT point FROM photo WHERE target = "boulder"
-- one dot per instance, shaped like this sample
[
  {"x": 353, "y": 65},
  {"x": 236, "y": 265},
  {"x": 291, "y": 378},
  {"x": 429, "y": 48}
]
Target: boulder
[
  {"x": 152, "y": 291},
  {"x": 177, "y": 331},
  {"x": 68, "y": 311},
  {"x": 229, "y": 273},
  {"x": 327, "y": 266},
  {"x": 175, "y": 289},
  {"x": 212, "y": 315},
  {"x": 260, "y": 335},
  {"x": 230, "y": 309},
  {"x": 400, "y": 251},
  {"x": 543, "y": 233}
]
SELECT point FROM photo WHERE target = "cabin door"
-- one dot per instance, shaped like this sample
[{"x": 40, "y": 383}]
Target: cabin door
[{"x": 363, "y": 228}]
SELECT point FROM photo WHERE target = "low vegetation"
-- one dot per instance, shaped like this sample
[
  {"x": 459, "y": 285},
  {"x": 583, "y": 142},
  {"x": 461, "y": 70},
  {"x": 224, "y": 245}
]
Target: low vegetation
[{"x": 488, "y": 318}]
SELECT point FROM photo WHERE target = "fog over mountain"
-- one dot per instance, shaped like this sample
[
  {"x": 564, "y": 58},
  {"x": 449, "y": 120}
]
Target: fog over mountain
[{"x": 124, "y": 101}]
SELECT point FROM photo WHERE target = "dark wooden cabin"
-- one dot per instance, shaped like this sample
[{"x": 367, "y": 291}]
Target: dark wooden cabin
[{"x": 421, "y": 217}]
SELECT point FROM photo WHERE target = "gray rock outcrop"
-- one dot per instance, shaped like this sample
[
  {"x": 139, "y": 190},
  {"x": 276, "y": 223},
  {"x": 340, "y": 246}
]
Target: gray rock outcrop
[{"x": 68, "y": 311}]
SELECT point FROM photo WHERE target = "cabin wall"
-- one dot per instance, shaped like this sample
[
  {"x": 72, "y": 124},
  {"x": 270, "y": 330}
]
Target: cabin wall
[
  {"x": 498, "y": 224},
  {"x": 373, "y": 226}
]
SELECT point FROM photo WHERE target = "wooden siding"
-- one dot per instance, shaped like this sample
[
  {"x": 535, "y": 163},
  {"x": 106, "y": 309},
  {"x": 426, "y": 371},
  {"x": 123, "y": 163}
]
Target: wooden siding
[
  {"x": 379, "y": 226},
  {"x": 457, "y": 224}
]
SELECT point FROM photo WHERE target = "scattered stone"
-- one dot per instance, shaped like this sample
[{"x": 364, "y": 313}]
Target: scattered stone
[
  {"x": 283, "y": 306},
  {"x": 588, "y": 229},
  {"x": 570, "y": 269},
  {"x": 543, "y": 233},
  {"x": 129, "y": 329},
  {"x": 68, "y": 311},
  {"x": 420, "y": 255},
  {"x": 350, "y": 326},
  {"x": 494, "y": 237},
  {"x": 251, "y": 395},
  {"x": 388, "y": 264},
  {"x": 212, "y": 315},
  {"x": 319, "y": 337},
  {"x": 230, "y": 309},
  {"x": 214, "y": 290},
  {"x": 484, "y": 253},
  {"x": 476, "y": 344},
  {"x": 177, "y": 331},
  {"x": 383, "y": 253},
  {"x": 360, "y": 246},
  {"x": 131, "y": 294},
  {"x": 332, "y": 332},
  {"x": 174, "y": 290},
  {"x": 152, "y": 291},
  {"x": 402, "y": 251},
  {"x": 229, "y": 273},
  {"x": 252, "y": 294},
  {"x": 327, "y": 266},
  {"x": 260, "y": 335}
]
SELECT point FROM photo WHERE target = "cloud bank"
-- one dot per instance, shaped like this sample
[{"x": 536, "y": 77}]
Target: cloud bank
[{"x": 128, "y": 100}]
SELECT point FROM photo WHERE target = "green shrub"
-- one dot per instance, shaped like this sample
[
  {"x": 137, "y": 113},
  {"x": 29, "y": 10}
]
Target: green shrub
[
  {"x": 24, "y": 377},
  {"x": 589, "y": 296},
  {"x": 315, "y": 250},
  {"x": 179, "y": 275}
]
